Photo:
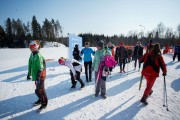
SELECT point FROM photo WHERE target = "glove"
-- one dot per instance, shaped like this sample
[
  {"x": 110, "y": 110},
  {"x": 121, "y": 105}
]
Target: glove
[
  {"x": 164, "y": 74},
  {"x": 28, "y": 77}
]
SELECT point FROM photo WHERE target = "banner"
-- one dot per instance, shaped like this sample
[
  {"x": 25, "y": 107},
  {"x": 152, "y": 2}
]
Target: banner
[{"x": 73, "y": 40}]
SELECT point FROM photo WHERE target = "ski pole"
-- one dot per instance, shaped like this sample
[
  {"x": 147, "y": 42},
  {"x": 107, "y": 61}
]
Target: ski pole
[
  {"x": 166, "y": 93},
  {"x": 140, "y": 82}
]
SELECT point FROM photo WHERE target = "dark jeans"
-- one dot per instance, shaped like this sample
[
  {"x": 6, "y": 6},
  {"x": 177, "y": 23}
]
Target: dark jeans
[
  {"x": 77, "y": 78},
  {"x": 122, "y": 64},
  {"x": 41, "y": 93},
  {"x": 86, "y": 66},
  {"x": 178, "y": 54},
  {"x": 136, "y": 58}
]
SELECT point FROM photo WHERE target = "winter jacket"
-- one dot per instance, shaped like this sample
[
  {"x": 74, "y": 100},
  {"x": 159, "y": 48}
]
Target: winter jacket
[
  {"x": 99, "y": 56},
  {"x": 74, "y": 65},
  {"x": 121, "y": 53},
  {"x": 76, "y": 54},
  {"x": 36, "y": 66},
  {"x": 112, "y": 50},
  {"x": 177, "y": 48},
  {"x": 138, "y": 51},
  {"x": 87, "y": 54},
  {"x": 151, "y": 67}
]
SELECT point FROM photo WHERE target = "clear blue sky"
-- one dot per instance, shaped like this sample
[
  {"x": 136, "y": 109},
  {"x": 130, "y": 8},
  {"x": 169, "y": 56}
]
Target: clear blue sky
[{"x": 107, "y": 17}]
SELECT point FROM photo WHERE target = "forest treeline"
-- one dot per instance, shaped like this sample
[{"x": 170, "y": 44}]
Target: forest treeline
[{"x": 16, "y": 34}]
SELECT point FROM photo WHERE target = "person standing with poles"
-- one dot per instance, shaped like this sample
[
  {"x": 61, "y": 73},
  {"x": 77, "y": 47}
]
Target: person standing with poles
[
  {"x": 98, "y": 67},
  {"x": 37, "y": 68},
  {"x": 151, "y": 68},
  {"x": 87, "y": 52}
]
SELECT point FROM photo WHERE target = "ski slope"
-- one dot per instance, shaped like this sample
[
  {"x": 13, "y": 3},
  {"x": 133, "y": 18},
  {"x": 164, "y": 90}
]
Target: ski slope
[{"x": 123, "y": 102}]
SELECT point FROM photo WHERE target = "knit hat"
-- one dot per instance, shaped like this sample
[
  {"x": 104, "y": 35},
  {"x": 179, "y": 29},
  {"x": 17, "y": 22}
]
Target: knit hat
[
  {"x": 33, "y": 45},
  {"x": 100, "y": 43},
  {"x": 121, "y": 43},
  {"x": 61, "y": 61}
]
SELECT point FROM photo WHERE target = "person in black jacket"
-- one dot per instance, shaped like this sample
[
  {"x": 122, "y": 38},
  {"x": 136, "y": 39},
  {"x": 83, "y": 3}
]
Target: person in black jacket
[
  {"x": 138, "y": 53},
  {"x": 121, "y": 56},
  {"x": 76, "y": 53}
]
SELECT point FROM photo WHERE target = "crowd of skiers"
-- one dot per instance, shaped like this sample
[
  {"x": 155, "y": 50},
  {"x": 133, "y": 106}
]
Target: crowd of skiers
[{"x": 152, "y": 60}]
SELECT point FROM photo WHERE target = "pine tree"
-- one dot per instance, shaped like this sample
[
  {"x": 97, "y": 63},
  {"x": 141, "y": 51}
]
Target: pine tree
[{"x": 10, "y": 41}]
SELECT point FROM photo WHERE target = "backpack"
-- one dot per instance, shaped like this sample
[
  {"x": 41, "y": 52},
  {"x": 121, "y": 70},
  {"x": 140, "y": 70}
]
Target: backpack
[{"x": 109, "y": 61}]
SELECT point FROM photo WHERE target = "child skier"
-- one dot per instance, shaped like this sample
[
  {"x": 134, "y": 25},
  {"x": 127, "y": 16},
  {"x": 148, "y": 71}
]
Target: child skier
[
  {"x": 153, "y": 61},
  {"x": 87, "y": 52},
  {"x": 100, "y": 69},
  {"x": 75, "y": 70},
  {"x": 37, "y": 68}
]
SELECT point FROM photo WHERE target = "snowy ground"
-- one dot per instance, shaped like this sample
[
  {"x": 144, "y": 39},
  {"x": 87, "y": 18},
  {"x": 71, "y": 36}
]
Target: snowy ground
[{"x": 123, "y": 102}]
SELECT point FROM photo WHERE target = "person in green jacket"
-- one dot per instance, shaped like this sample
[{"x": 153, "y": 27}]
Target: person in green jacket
[
  {"x": 37, "y": 69},
  {"x": 98, "y": 57}
]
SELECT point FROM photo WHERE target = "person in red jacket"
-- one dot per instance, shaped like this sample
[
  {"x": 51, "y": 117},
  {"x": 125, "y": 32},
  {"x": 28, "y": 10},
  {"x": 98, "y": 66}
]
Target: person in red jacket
[{"x": 153, "y": 61}]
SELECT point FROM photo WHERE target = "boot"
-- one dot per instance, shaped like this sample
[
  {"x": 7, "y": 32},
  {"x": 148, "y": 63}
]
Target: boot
[
  {"x": 143, "y": 100},
  {"x": 96, "y": 95},
  {"x": 104, "y": 96},
  {"x": 82, "y": 86},
  {"x": 37, "y": 103},
  {"x": 120, "y": 70},
  {"x": 43, "y": 106}
]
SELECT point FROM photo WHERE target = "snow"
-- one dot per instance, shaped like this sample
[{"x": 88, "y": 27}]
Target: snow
[{"x": 123, "y": 102}]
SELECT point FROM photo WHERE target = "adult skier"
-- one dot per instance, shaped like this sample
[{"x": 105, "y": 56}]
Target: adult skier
[
  {"x": 87, "y": 52},
  {"x": 153, "y": 61},
  {"x": 137, "y": 54}
]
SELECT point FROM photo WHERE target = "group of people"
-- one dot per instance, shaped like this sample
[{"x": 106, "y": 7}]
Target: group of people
[{"x": 152, "y": 60}]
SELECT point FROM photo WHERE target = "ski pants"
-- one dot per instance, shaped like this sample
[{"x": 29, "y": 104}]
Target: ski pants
[
  {"x": 73, "y": 81},
  {"x": 178, "y": 54},
  {"x": 100, "y": 85},
  {"x": 149, "y": 84},
  {"x": 40, "y": 92},
  {"x": 86, "y": 66}
]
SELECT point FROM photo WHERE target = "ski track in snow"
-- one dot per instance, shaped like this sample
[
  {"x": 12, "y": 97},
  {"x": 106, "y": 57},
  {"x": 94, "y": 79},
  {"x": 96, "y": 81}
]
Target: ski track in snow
[{"x": 123, "y": 102}]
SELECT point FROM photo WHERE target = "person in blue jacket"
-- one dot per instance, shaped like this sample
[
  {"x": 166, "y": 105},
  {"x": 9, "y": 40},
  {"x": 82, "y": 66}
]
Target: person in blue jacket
[
  {"x": 177, "y": 51},
  {"x": 87, "y": 52}
]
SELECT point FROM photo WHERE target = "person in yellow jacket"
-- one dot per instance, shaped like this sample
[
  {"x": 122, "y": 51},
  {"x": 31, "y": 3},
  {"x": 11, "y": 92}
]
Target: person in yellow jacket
[{"x": 37, "y": 69}]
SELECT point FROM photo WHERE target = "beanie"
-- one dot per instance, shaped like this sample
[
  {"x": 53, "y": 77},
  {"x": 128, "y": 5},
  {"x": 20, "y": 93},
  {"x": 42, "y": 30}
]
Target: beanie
[
  {"x": 60, "y": 61},
  {"x": 100, "y": 43},
  {"x": 121, "y": 43},
  {"x": 33, "y": 45}
]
